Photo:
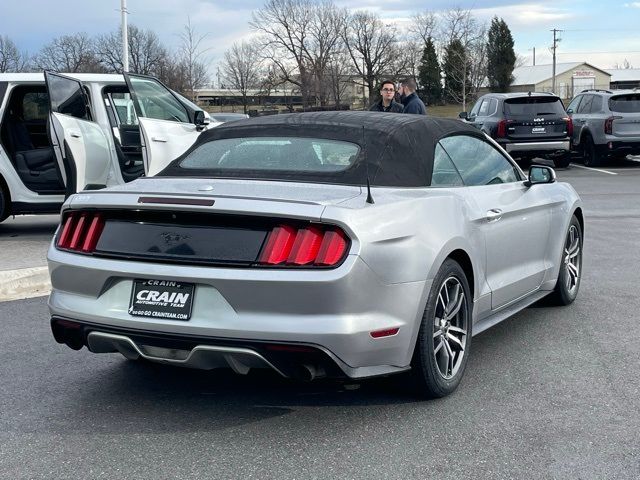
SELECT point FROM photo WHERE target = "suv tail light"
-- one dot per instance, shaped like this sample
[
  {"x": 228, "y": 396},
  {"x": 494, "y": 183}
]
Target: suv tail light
[
  {"x": 608, "y": 125},
  {"x": 502, "y": 128},
  {"x": 311, "y": 245},
  {"x": 80, "y": 232},
  {"x": 569, "y": 126}
]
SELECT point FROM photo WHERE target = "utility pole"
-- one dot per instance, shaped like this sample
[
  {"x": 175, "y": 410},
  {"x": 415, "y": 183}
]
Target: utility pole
[
  {"x": 534, "y": 56},
  {"x": 553, "y": 48},
  {"x": 125, "y": 39}
]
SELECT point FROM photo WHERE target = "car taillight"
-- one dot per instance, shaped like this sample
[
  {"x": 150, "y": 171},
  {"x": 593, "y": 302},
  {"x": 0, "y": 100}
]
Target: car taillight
[
  {"x": 311, "y": 245},
  {"x": 503, "y": 125},
  {"x": 608, "y": 125},
  {"x": 80, "y": 232},
  {"x": 569, "y": 126}
]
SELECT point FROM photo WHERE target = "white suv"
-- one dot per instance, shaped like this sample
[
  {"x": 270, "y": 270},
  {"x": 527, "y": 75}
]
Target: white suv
[{"x": 60, "y": 134}]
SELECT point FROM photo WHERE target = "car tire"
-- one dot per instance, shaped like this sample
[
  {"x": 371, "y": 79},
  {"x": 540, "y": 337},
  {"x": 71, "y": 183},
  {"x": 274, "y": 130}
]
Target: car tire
[
  {"x": 569, "y": 276},
  {"x": 562, "y": 162},
  {"x": 591, "y": 156},
  {"x": 5, "y": 204},
  {"x": 444, "y": 338}
]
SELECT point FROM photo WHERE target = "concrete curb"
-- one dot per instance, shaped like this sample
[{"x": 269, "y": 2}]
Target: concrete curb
[{"x": 24, "y": 283}]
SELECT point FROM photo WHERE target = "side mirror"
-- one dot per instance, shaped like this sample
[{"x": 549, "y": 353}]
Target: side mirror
[
  {"x": 540, "y": 174},
  {"x": 463, "y": 115},
  {"x": 570, "y": 111},
  {"x": 201, "y": 119}
]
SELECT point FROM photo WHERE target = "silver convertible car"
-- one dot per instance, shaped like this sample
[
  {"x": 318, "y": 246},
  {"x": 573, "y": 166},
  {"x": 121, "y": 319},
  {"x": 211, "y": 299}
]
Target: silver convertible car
[{"x": 340, "y": 244}]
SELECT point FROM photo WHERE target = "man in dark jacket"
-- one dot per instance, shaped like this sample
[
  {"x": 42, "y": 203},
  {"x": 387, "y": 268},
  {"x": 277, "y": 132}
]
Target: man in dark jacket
[
  {"x": 410, "y": 99},
  {"x": 387, "y": 103}
]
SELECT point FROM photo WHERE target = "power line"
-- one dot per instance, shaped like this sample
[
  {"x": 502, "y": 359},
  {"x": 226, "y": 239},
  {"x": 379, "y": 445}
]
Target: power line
[{"x": 608, "y": 51}]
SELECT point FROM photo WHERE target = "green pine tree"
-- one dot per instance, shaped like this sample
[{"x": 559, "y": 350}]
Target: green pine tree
[
  {"x": 429, "y": 75},
  {"x": 501, "y": 57}
]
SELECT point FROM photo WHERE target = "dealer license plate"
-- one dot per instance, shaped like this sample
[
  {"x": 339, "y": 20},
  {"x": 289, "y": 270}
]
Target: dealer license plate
[
  {"x": 161, "y": 299},
  {"x": 538, "y": 130}
]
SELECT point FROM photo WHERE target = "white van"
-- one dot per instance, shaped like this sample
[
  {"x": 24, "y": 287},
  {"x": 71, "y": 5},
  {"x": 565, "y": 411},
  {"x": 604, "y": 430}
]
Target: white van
[{"x": 63, "y": 133}]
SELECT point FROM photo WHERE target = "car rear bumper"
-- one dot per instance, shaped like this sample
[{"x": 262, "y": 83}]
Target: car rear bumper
[
  {"x": 334, "y": 311},
  {"x": 538, "y": 147},
  {"x": 618, "y": 147}
]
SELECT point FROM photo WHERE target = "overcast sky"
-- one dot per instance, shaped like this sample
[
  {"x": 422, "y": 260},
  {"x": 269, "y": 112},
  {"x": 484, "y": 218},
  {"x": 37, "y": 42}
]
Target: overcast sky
[{"x": 602, "y": 32}]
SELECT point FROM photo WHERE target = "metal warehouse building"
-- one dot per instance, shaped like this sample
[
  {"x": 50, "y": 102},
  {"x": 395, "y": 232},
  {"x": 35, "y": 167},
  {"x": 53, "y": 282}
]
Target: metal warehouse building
[
  {"x": 571, "y": 78},
  {"x": 625, "y": 78}
]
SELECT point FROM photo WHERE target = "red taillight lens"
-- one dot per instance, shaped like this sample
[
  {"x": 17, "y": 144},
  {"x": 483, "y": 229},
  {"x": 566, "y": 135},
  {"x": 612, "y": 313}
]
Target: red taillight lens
[
  {"x": 502, "y": 129},
  {"x": 305, "y": 248},
  {"x": 81, "y": 232},
  {"x": 608, "y": 126},
  {"x": 569, "y": 126},
  {"x": 278, "y": 245},
  {"x": 313, "y": 246},
  {"x": 332, "y": 248}
]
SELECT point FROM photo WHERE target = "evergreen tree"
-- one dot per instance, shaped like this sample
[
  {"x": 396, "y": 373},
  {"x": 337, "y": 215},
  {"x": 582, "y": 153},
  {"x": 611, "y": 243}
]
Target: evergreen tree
[
  {"x": 429, "y": 74},
  {"x": 501, "y": 56},
  {"x": 456, "y": 66}
]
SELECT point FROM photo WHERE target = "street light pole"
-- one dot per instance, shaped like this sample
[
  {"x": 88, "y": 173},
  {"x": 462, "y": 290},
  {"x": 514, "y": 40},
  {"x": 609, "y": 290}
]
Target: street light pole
[{"x": 125, "y": 39}]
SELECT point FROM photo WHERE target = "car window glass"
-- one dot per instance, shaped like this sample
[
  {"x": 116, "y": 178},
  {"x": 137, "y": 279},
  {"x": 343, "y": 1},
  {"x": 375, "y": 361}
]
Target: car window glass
[
  {"x": 122, "y": 104},
  {"x": 538, "y": 105},
  {"x": 585, "y": 106},
  {"x": 573, "y": 106},
  {"x": 273, "y": 154},
  {"x": 35, "y": 106},
  {"x": 476, "y": 107},
  {"x": 493, "y": 106},
  {"x": 484, "y": 108},
  {"x": 625, "y": 103},
  {"x": 596, "y": 104},
  {"x": 155, "y": 101},
  {"x": 479, "y": 162},
  {"x": 444, "y": 171},
  {"x": 67, "y": 97}
]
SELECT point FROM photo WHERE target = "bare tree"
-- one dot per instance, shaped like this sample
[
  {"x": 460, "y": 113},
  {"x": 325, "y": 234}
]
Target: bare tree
[
  {"x": 241, "y": 68},
  {"x": 423, "y": 26},
  {"x": 300, "y": 38},
  {"x": 11, "y": 60},
  {"x": 146, "y": 52},
  {"x": 338, "y": 78},
  {"x": 372, "y": 47},
  {"x": 69, "y": 53},
  {"x": 466, "y": 62},
  {"x": 192, "y": 59}
]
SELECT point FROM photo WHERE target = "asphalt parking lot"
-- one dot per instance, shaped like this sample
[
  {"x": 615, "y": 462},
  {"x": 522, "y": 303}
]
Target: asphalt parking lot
[{"x": 552, "y": 393}]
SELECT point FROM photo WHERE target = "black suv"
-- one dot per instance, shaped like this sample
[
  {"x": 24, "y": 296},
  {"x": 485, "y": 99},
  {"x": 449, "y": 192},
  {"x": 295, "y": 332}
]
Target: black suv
[{"x": 527, "y": 125}]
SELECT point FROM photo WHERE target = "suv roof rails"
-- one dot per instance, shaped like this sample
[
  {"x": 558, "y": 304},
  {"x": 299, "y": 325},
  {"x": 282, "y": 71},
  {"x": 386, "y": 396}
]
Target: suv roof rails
[{"x": 596, "y": 90}]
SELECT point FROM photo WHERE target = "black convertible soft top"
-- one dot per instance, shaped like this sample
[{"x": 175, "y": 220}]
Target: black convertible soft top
[{"x": 395, "y": 149}]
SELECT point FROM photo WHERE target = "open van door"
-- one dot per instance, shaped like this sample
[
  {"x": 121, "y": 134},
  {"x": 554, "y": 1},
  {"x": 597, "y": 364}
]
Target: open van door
[
  {"x": 168, "y": 127},
  {"x": 80, "y": 145}
]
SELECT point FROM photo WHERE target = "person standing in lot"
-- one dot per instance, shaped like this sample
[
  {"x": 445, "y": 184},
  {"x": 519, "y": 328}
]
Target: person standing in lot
[
  {"x": 410, "y": 99},
  {"x": 387, "y": 103}
]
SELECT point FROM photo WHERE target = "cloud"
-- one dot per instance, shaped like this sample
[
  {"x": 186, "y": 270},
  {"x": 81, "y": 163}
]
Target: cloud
[{"x": 632, "y": 5}]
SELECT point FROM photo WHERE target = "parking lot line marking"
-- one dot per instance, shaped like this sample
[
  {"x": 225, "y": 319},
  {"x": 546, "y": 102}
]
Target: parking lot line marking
[{"x": 594, "y": 169}]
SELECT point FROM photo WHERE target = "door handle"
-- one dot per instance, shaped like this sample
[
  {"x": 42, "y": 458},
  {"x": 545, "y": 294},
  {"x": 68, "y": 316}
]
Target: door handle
[
  {"x": 159, "y": 139},
  {"x": 74, "y": 134},
  {"x": 494, "y": 215}
]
